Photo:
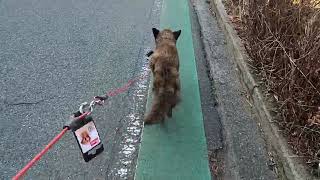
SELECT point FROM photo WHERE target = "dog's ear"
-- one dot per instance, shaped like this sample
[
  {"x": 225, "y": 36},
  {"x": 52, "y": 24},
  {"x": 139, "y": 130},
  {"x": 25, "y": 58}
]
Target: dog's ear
[
  {"x": 176, "y": 34},
  {"x": 155, "y": 32}
]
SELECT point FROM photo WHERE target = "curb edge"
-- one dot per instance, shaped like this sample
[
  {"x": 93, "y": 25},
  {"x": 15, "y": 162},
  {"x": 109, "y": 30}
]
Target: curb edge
[{"x": 292, "y": 168}]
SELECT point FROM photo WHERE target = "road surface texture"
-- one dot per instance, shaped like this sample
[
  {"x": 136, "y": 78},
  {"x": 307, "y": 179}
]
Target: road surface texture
[{"x": 55, "y": 55}]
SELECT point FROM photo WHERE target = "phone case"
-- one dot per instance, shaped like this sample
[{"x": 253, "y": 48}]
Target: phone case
[{"x": 88, "y": 138}]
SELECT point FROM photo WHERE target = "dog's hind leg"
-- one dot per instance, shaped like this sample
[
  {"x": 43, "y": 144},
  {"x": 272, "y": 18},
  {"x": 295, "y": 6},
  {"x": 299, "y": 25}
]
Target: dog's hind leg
[
  {"x": 177, "y": 93},
  {"x": 156, "y": 113},
  {"x": 169, "y": 113}
]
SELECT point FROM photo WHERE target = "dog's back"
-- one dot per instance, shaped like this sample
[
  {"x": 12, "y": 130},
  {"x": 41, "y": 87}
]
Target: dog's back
[{"x": 165, "y": 68}]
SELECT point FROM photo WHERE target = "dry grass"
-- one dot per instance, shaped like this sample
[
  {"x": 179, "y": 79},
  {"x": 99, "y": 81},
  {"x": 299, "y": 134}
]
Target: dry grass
[{"x": 282, "y": 38}]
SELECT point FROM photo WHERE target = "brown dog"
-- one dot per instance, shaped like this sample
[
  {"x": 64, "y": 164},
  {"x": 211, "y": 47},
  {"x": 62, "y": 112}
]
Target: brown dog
[
  {"x": 164, "y": 65},
  {"x": 85, "y": 137}
]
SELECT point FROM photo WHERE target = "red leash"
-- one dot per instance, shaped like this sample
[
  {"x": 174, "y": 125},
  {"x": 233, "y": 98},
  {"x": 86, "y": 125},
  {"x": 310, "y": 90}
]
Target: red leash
[
  {"x": 38, "y": 156},
  {"x": 59, "y": 136},
  {"x": 126, "y": 86},
  {"x": 45, "y": 150}
]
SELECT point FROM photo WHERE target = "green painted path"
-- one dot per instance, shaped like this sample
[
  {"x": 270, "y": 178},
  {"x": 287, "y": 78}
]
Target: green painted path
[{"x": 177, "y": 149}]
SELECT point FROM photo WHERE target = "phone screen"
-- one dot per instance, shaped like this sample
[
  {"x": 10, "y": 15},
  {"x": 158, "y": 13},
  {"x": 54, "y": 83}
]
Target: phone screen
[{"x": 87, "y": 137}]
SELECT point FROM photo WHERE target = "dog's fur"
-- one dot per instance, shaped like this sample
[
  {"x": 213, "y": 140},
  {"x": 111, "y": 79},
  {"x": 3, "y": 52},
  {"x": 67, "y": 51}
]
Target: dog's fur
[{"x": 164, "y": 65}]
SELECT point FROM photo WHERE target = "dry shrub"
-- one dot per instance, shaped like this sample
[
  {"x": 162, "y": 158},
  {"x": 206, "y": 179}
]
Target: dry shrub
[{"x": 283, "y": 40}]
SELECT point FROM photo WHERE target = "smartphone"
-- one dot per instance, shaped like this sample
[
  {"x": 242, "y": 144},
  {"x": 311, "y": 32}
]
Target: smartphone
[{"x": 88, "y": 138}]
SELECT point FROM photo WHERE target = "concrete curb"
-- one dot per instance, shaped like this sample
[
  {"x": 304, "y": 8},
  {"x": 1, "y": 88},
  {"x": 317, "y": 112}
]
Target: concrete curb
[
  {"x": 292, "y": 168},
  {"x": 244, "y": 154}
]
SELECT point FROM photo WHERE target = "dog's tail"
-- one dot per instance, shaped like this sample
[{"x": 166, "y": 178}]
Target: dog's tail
[
  {"x": 165, "y": 95},
  {"x": 161, "y": 107}
]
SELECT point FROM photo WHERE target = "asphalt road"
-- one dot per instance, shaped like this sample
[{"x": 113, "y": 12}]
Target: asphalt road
[{"x": 55, "y": 55}]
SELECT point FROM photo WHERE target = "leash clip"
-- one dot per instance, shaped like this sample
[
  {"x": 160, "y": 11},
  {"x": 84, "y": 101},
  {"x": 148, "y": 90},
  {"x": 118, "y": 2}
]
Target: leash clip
[
  {"x": 83, "y": 105},
  {"x": 97, "y": 100}
]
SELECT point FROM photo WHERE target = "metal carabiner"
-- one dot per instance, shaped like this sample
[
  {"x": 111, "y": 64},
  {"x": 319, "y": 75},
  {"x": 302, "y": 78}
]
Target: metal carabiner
[
  {"x": 82, "y": 106},
  {"x": 92, "y": 104},
  {"x": 97, "y": 100}
]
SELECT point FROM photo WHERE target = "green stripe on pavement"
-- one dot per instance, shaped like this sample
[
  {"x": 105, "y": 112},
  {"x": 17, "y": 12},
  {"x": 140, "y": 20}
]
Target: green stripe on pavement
[{"x": 177, "y": 149}]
